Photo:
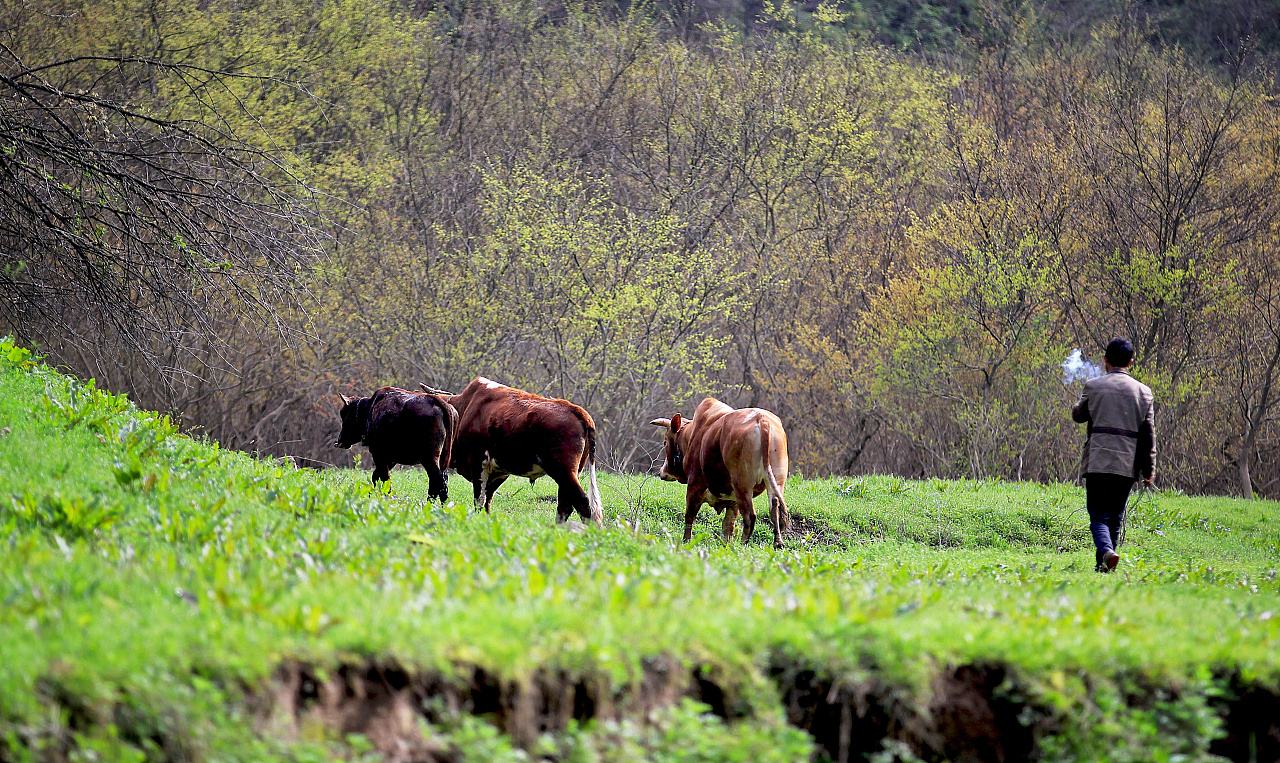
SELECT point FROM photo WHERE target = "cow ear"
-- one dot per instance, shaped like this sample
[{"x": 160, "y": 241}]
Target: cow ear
[
  {"x": 676, "y": 423},
  {"x": 664, "y": 423}
]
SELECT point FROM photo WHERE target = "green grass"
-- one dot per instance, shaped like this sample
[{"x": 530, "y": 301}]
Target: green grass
[{"x": 151, "y": 585}]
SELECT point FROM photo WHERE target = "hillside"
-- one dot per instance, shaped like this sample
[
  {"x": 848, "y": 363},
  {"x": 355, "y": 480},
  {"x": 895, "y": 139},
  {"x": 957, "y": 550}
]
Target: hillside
[
  {"x": 164, "y": 598},
  {"x": 950, "y": 26}
]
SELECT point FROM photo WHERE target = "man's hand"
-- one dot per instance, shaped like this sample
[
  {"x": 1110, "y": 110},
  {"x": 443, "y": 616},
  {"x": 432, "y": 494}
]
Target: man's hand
[
  {"x": 1080, "y": 411},
  {"x": 1150, "y": 481}
]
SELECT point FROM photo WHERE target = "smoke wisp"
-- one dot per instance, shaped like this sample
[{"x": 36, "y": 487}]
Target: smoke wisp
[{"x": 1076, "y": 368}]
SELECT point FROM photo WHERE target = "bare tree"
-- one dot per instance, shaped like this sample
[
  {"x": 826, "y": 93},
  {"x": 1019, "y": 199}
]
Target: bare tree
[
  {"x": 1253, "y": 367},
  {"x": 138, "y": 232}
]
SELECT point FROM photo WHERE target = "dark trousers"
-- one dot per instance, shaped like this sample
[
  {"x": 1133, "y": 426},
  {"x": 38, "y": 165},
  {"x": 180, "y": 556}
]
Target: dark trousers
[{"x": 1105, "y": 495}]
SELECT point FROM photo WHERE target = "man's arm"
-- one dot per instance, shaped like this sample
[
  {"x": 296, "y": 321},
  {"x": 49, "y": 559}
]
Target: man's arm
[
  {"x": 1080, "y": 411},
  {"x": 1147, "y": 446}
]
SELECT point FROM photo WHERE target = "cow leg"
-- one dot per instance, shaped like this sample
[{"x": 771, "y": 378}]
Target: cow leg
[
  {"x": 777, "y": 506},
  {"x": 730, "y": 514},
  {"x": 571, "y": 497},
  {"x": 437, "y": 485},
  {"x": 778, "y": 515},
  {"x": 747, "y": 508},
  {"x": 748, "y": 524},
  {"x": 491, "y": 487},
  {"x": 775, "y": 519},
  {"x": 562, "y": 468},
  {"x": 692, "y": 502},
  {"x": 564, "y": 501},
  {"x": 381, "y": 473},
  {"x": 481, "y": 484}
]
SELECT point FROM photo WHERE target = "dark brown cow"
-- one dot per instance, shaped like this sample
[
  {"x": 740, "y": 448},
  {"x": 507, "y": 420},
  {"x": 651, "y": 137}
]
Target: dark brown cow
[
  {"x": 727, "y": 457},
  {"x": 400, "y": 426},
  {"x": 504, "y": 431}
]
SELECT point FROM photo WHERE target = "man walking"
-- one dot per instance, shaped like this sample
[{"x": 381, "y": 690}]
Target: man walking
[{"x": 1119, "y": 449}]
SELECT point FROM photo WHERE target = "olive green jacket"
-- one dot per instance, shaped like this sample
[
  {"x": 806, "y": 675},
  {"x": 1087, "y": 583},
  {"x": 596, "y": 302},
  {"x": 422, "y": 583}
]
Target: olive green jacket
[{"x": 1120, "y": 412}]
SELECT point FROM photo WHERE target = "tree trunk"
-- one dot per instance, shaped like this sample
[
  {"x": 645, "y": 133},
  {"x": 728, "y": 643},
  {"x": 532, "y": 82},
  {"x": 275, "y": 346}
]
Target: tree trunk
[
  {"x": 1255, "y": 421},
  {"x": 1246, "y": 483},
  {"x": 1242, "y": 462}
]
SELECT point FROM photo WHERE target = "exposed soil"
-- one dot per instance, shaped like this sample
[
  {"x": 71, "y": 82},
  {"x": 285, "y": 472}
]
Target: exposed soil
[
  {"x": 1251, "y": 718},
  {"x": 383, "y": 702},
  {"x": 974, "y": 712}
]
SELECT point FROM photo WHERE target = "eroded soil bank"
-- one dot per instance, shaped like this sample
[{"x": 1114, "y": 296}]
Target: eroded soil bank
[{"x": 971, "y": 712}]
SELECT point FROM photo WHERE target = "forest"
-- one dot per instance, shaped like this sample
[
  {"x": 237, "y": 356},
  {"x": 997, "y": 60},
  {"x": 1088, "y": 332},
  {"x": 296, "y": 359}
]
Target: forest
[{"x": 889, "y": 222}]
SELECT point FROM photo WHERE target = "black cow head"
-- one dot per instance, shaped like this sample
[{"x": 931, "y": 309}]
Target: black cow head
[
  {"x": 355, "y": 421},
  {"x": 673, "y": 464}
]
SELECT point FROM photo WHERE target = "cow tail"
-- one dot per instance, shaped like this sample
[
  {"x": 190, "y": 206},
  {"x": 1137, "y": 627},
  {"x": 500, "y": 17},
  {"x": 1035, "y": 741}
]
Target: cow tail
[
  {"x": 593, "y": 495},
  {"x": 771, "y": 481},
  {"x": 597, "y": 506},
  {"x": 450, "y": 430}
]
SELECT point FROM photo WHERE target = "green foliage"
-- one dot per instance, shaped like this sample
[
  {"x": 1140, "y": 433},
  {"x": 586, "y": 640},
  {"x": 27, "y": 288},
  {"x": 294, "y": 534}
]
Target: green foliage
[
  {"x": 976, "y": 336},
  {"x": 621, "y": 291},
  {"x": 686, "y": 733}
]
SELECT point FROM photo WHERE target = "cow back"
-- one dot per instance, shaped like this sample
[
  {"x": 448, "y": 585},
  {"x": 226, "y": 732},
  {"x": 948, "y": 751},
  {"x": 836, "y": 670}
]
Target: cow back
[
  {"x": 701, "y": 435},
  {"x": 407, "y": 422},
  {"x": 728, "y": 446},
  {"x": 523, "y": 426}
]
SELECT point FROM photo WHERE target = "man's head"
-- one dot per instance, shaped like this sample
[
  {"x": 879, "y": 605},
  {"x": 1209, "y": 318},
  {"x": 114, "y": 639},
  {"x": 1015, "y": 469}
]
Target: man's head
[{"x": 1119, "y": 353}]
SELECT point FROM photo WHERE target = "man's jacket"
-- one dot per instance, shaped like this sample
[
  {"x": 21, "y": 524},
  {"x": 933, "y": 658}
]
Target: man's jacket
[{"x": 1120, "y": 411}]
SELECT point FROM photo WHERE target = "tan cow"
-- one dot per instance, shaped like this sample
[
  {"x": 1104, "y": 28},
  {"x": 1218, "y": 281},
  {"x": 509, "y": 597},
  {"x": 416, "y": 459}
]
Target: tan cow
[{"x": 727, "y": 457}]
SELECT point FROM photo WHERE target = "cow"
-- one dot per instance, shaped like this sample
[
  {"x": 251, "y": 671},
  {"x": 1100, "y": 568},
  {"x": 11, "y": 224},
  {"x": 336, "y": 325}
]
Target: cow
[
  {"x": 504, "y": 431},
  {"x": 401, "y": 426},
  {"x": 727, "y": 457}
]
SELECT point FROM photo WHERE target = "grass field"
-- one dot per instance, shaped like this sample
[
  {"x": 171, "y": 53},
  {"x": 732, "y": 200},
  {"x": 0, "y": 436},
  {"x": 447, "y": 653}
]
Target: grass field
[{"x": 161, "y": 598}]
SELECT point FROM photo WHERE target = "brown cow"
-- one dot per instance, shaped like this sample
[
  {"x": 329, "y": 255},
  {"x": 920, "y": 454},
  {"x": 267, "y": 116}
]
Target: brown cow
[
  {"x": 504, "y": 431},
  {"x": 400, "y": 426},
  {"x": 727, "y": 457}
]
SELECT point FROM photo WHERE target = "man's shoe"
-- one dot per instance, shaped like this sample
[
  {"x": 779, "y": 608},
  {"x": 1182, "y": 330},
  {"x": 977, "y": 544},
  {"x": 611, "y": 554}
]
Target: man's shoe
[{"x": 1111, "y": 560}]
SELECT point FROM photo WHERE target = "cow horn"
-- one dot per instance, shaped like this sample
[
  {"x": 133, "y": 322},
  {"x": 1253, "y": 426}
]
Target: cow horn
[
  {"x": 344, "y": 398},
  {"x": 664, "y": 423},
  {"x": 432, "y": 390}
]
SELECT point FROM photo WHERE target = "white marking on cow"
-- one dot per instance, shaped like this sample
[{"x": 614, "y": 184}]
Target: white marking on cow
[
  {"x": 771, "y": 484},
  {"x": 486, "y": 469},
  {"x": 489, "y": 383},
  {"x": 597, "y": 507}
]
